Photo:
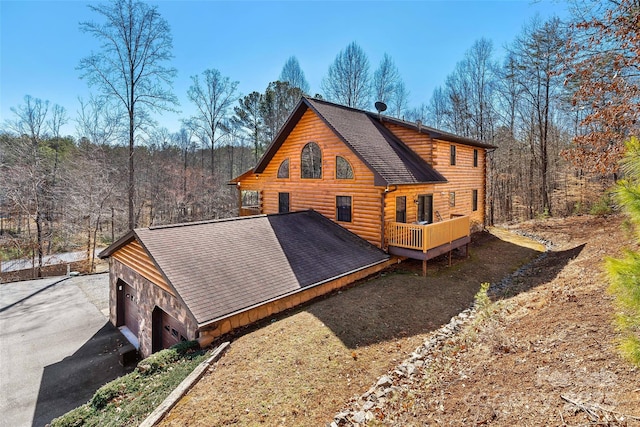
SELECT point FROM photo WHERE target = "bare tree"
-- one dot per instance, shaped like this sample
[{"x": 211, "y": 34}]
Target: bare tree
[
  {"x": 385, "y": 79},
  {"x": 99, "y": 121},
  {"x": 437, "y": 109},
  {"x": 30, "y": 118},
  {"x": 389, "y": 88},
  {"x": 418, "y": 113},
  {"x": 468, "y": 94},
  {"x": 539, "y": 55},
  {"x": 131, "y": 66},
  {"x": 29, "y": 180},
  {"x": 94, "y": 180},
  {"x": 348, "y": 81},
  {"x": 399, "y": 102},
  {"x": 213, "y": 97},
  {"x": 293, "y": 74}
]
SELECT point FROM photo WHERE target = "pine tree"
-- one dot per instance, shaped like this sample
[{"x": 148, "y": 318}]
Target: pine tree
[{"x": 624, "y": 273}]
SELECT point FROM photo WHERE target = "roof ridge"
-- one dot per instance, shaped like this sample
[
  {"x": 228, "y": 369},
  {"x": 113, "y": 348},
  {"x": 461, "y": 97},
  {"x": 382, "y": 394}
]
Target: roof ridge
[
  {"x": 436, "y": 133},
  {"x": 208, "y": 221},
  {"x": 214, "y": 221}
]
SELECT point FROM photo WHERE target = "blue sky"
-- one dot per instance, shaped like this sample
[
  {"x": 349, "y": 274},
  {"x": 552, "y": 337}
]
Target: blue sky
[{"x": 249, "y": 41}]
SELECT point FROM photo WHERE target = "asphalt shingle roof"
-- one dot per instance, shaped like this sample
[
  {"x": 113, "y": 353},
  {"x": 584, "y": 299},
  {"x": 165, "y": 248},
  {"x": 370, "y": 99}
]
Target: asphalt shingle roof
[
  {"x": 391, "y": 161},
  {"x": 222, "y": 267},
  {"x": 376, "y": 145}
]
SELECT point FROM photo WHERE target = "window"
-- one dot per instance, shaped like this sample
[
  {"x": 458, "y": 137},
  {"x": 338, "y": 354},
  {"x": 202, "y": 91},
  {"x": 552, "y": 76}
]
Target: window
[
  {"x": 311, "y": 161},
  {"x": 475, "y": 158},
  {"x": 343, "y": 208},
  {"x": 250, "y": 199},
  {"x": 452, "y": 199},
  {"x": 283, "y": 170},
  {"x": 283, "y": 202},
  {"x": 343, "y": 168},
  {"x": 453, "y": 155},
  {"x": 474, "y": 200},
  {"x": 425, "y": 208},
  {"x": 401, "y": 209}
]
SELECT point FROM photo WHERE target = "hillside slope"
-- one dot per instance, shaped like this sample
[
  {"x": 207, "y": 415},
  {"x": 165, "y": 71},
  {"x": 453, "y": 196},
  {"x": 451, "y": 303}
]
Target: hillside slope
[{"x": 547, "y": 356}]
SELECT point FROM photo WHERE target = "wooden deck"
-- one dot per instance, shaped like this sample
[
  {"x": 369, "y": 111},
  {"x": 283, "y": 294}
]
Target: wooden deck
[{"x": 428, "y": 241}]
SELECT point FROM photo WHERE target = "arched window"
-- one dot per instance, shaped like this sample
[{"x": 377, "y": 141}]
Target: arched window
[
  {"x": 283, "y": 170},
  {"x": 343, "y": 168},
  {"x": 311, "y": 161}
]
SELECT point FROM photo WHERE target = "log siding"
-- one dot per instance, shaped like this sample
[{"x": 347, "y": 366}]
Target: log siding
[
  {"x": 135, "y": 257},
  {"x": 320, "y": 194}
]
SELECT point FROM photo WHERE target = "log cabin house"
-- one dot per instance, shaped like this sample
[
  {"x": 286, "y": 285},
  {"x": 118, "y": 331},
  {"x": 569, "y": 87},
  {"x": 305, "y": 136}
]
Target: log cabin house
[
  {"x": 409, "y": 189},
  {"x": 340, "y": 194}
]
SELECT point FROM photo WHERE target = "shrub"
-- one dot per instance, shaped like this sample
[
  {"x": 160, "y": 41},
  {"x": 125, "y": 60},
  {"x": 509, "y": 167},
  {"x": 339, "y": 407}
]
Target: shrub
[
  {"x": 164, "y": 358},
  {"x": 482, "y": 300},
  {"x": 76, "y": 418},
  {"x": 129, "y": 399},
  {"x": 604, "y": 206},
  {"x": 105, "y": 394}
]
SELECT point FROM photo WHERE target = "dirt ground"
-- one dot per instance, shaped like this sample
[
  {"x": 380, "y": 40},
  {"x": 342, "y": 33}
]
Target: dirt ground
[
  {"x": 301, "y": 367},
  {"x": 547, "y": 356}
]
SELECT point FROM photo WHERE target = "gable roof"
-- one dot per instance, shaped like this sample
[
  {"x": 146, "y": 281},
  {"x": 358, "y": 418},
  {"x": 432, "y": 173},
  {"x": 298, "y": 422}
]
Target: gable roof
[
  {"x": 391, "y": 161},
  {"x": 435, "y": 133},
  {"x": 219, "y": 268}
]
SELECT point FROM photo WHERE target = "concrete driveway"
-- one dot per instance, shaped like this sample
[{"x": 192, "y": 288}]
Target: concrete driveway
[{"x": 56, "y": 347}]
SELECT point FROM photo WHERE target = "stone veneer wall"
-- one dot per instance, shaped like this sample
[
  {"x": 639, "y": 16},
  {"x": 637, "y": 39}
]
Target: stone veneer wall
[
  {"x": 266, "y": 310},
  {"x": 148, "y": 296}
]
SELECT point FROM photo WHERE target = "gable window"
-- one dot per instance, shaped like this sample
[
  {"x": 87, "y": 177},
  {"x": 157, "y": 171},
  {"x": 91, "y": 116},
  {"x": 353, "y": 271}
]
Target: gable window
[
  {"x": 311, "y": 161},
  {"x": 401, "y": 209},
  {"x": 475, "y": 158},
  {"x": 452, "y": 198},
  {"x": 453, "y": 155},
  {"x": 343, "y": 168},
  {"x": 474, "y": 200},
  {"x": 283, "y": 202},
  {"x": 283, "y": 169},
  {"x": 343, "y": 208}
]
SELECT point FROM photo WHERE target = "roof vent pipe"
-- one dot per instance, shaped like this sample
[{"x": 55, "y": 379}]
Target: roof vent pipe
[{"x": 419, "y": 123}]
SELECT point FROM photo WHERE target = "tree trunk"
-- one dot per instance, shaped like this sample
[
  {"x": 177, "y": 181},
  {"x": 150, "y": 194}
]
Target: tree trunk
[{"x": 39, "y": 239}]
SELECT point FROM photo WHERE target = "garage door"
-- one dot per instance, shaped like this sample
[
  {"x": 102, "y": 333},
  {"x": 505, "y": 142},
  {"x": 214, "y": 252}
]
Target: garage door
[
  {"x": 130, "y": 305},
  {"x": 172, "y": 331}
]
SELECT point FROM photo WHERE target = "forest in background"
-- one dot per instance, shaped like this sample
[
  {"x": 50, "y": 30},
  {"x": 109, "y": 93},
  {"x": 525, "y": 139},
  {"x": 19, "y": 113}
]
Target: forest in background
[{"x": 558, "y": 106}]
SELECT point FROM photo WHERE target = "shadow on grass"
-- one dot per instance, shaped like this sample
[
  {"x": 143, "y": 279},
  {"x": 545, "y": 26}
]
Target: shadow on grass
[
  {"x": 402, "y": 303},
  {"x": 73, "y": 381}
]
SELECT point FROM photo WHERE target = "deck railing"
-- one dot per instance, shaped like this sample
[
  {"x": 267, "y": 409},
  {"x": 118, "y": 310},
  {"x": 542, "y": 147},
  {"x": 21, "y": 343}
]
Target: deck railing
[{"x": 429, "y": 236}]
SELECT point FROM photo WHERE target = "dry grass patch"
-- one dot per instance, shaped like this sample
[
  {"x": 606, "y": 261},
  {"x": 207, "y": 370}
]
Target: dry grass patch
[
  {"x": 546, "y": 356},
  {"x": 299, "y": 369}
]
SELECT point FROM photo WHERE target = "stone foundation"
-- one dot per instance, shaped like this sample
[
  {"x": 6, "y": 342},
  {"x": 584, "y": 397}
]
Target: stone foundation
[{"x": 148, "y": 296}]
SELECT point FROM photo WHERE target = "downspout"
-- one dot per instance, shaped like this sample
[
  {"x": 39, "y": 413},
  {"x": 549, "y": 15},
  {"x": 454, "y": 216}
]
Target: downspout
[{"x": 382, "y": 201}]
